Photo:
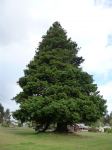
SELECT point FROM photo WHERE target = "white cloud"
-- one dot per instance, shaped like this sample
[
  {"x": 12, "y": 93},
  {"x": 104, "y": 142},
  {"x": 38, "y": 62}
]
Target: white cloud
[
  {"x": 97, "y": 58},
  {"x": 106, "y": 91}
]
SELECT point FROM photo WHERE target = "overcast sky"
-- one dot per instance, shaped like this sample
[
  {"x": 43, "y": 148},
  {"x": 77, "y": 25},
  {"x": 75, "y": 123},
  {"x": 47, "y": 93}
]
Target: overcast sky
[{"x": 23, "y": 22}]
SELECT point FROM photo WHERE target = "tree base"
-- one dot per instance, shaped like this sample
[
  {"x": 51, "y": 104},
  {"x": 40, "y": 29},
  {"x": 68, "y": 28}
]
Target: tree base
[{"x": 61, "y": 128}]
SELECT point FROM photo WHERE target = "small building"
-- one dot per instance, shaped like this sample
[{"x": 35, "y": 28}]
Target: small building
[{"x": 80, "y": 127}]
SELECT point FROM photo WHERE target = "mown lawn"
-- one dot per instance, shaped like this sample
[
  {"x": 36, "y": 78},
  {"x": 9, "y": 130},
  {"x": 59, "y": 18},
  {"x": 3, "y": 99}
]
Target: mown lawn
[{"x": 26, "y": 139}]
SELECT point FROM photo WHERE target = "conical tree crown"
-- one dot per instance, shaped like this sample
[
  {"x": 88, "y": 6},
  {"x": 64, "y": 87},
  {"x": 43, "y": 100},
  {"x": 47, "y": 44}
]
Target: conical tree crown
[
  {"x": 56, "y": 40},
  {"x": 54, "y": 62},
  {"x": 55, "y": 88}
]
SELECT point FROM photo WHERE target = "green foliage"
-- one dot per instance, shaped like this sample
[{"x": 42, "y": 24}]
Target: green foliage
[
  {"x": 98, "y": 123},
  {"x": 93, "y": 129},
  {"x": 1, "y": 113},
  {"x": 7, "y": 115},
  {"x": 4, "y": 116},
  {"x": 55, "y": 88},
  {"x": 108, "y": 130},
  {"x": 108, "y": 119}
]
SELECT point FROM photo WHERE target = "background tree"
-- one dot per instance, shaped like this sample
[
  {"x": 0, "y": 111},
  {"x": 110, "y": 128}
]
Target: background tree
[
  {"x": 1, "y": 113},
  {"x": 55, "y": 88},
  {"x": 108, "y": 119},
  {"x": 7, "y": 116}
]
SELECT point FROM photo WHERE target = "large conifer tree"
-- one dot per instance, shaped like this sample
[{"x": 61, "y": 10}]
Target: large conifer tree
[{"x": 55, "y": 88}]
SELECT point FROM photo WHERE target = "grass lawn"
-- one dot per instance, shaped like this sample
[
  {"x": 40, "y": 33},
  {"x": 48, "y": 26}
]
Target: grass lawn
[{"x": 26, "y": 139}]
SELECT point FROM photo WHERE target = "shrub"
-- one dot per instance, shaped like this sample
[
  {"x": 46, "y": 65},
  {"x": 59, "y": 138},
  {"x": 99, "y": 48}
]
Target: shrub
[
  {"x": 93, "y": 130},
  {"x": 107, "y": 130}
]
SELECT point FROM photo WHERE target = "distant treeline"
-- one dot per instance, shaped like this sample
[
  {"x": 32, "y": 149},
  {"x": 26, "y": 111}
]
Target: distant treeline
[{"x": 4, "y": 116}]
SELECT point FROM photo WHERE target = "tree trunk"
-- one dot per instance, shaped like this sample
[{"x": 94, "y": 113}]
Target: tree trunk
[
  {"x": 45, "y": 127},
  {"x": 61, "y": 127}
]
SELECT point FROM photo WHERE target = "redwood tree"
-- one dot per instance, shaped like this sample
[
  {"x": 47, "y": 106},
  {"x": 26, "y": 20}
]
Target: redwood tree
[{"x": 55, "y": 89}]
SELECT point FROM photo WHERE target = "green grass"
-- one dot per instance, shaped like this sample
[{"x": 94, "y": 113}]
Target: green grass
[{"x": 27, "y": 139}]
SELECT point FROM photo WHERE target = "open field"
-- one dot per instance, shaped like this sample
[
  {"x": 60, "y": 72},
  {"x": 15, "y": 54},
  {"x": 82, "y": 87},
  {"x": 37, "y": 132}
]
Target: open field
[{"x": 26, "y": 139}]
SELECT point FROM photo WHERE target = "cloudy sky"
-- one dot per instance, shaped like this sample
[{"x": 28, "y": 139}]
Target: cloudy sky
[{"x": 23, "y": 22}]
